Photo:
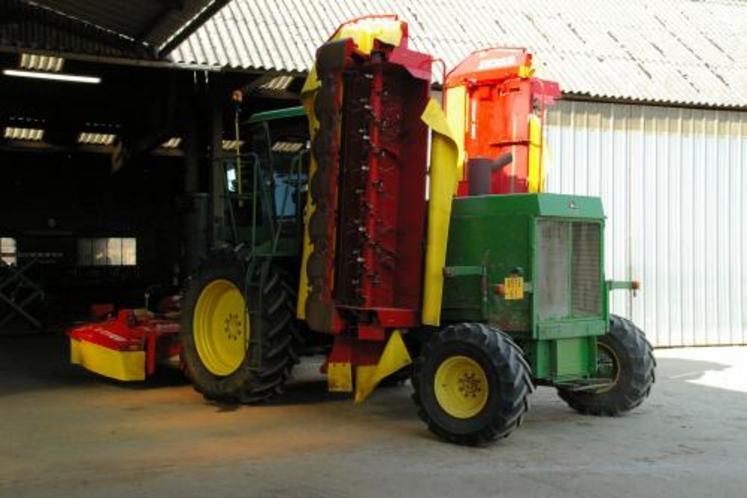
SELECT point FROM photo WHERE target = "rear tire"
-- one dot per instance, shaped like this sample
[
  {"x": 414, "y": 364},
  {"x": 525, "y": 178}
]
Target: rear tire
[
  {"x": 471, "y": 384},
  {"x": 633, "y": 372},
  {"x": 279, "y": 344}
]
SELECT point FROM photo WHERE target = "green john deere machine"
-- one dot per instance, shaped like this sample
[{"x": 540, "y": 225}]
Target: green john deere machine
[{"x": 456, "y": 271}]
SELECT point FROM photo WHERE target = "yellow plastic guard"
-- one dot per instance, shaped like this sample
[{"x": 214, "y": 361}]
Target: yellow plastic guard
[
  {"x": 119, "y": 365},
  {"x": 526, "y": 71},
  {"x": 303, "y": 281},
  {"x": 363, "y": 31},
  {"x": 339, "y": 377},
  {"x": 456, "y": 113},
  {"x": 536, "y": 174},
  {"x": 394, "y": 357},
  {"x": 443, "y": 176}
]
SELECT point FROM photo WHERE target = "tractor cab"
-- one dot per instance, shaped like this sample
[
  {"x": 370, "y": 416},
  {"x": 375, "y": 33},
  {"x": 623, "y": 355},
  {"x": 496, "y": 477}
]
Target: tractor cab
[{"x": 266, "y": 177}]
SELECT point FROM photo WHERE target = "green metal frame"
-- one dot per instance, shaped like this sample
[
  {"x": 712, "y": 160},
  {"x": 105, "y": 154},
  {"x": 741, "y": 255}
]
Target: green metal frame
[
  {"x": 622, "y": 284},
  {"x": 266, "y": 239},
  {"x": 288, "y": 112}
]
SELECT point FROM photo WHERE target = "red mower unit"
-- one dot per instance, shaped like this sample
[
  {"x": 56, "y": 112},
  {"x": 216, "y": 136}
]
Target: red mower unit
[
  {"x": 367, "y": 190},
  {"x": 127, "y": 347}
]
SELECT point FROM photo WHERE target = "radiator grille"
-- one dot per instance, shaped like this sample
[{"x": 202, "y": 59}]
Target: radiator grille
[
  {"x": 569, "y": 266},
  {"x": 553, "y": 269},
  {"x": 586, "y": 265}
]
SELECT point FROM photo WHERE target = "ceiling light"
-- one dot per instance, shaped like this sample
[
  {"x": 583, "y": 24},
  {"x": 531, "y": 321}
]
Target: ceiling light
[
  {"x": 93, "y": 138},
  {"x": 37, "y": 62},
  {"x": 290, "y": 147},
  {"x": 30, "y": 134},
  {"x": 278, "y": 83},
  {"x": 172, "y": 143},
  {"x": 71, "y": 78},
  {"x": 232, "y": 144}
]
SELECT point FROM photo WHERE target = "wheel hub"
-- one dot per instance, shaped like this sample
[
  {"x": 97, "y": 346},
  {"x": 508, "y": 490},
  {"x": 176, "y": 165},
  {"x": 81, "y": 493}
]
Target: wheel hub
[
  {"x": 469, "y": 385},
  {"x": 234, "y": 328},
  {"x": 461, "y": 387}
]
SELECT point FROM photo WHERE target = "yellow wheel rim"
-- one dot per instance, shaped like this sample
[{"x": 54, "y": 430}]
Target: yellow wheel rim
[
  {"x": 221, "y": 327},
  {"x": 461, "y": 387}
]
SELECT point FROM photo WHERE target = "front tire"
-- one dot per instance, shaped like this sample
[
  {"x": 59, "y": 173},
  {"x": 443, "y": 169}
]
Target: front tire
[
  {"x": 221, "y": 339},
  {"x": 471, "y": 384},
  {"x": 626, "y": 358}
]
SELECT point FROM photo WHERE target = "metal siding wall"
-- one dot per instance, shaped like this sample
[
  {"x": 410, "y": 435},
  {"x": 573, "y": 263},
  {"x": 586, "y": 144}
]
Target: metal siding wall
[{"x": 672, "y": 181}]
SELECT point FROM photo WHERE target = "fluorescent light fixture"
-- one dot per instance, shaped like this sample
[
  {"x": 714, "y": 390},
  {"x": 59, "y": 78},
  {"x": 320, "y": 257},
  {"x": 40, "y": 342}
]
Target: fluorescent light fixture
[
  {"x": 232, "y": 144},
  {"x": 172, "y": 143},
  {"x": 35, "y": 62},
  {"x": 29, "y": 134},
  {"x": 42, "y": 75},
  {"x": 93, "y": 138},
  {"x": 278, "y": 83},
  {"x": 290, "y": 147}
]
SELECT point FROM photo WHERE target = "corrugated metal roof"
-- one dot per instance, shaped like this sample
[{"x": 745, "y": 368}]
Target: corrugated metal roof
[
  {"x": 148, "y": 21},
  {"x": 669, "y": 51},
  {"x": 24, "y": 26},
  {"x": 151, "y": 26}
]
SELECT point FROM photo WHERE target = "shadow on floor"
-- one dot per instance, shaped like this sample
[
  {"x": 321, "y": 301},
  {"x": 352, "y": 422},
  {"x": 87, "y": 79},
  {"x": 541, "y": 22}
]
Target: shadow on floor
[
  {"x": 40, "y": 362},
  {"x": 37, "y": 361}
]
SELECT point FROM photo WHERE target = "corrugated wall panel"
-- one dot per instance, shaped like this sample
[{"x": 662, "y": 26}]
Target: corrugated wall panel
[{"x": 672, "y": 181}]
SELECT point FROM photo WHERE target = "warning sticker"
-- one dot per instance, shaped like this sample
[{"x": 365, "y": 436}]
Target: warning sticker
[{"x": 514, "y": 288}]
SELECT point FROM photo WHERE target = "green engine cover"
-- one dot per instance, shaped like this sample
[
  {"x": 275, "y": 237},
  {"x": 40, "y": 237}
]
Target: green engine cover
[{"x": 554, "y": 245}]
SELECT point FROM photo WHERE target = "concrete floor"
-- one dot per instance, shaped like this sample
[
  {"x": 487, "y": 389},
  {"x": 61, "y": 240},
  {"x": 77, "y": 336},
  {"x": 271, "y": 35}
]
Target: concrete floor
[{"x": 65, "y": 433}]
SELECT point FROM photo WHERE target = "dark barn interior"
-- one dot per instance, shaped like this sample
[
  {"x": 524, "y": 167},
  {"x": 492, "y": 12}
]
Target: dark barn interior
[
  {"x": 105, "y": 182},
  {"x": 97, "y": 216},
  {"x": 69, "y": 214}
]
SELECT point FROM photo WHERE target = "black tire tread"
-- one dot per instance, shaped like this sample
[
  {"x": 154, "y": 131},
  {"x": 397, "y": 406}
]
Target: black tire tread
[
  {"x": 642, "y": 366},
  {"x": 281, "y": 340},
  {"x": 505, "y": 356}
]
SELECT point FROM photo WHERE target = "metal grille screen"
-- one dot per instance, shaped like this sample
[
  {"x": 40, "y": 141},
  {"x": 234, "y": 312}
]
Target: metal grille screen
[
  {"x": 569, "y": 265},
  {"x": 553, "y": 269},
  {"x": 586, "y": 264}
]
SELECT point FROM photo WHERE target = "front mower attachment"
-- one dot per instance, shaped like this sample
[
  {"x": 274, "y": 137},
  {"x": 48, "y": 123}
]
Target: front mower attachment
[{"x": 125, "y": 348}]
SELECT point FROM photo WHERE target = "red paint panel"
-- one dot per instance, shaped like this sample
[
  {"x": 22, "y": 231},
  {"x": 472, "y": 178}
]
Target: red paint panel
[
  {"x": 371, "y": 333},
  {"x": 346, "y": 349}
]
